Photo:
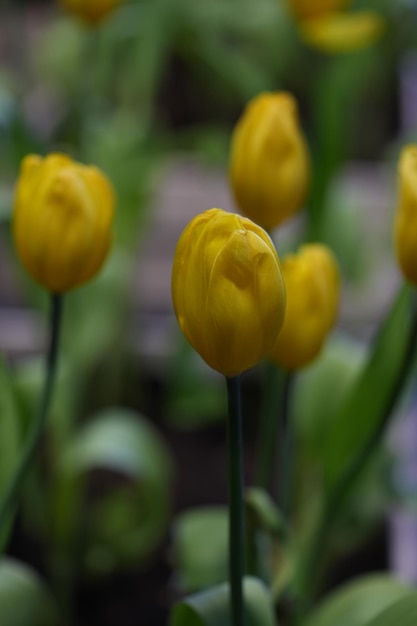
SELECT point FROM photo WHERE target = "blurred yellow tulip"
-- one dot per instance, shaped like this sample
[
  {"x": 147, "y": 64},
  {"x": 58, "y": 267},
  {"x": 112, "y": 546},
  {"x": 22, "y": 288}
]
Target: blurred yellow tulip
[
  {"x": 227, "y": 290},
  {"x": 90, "y": 11},
  {"x": 313, "y": 291},
  {"x": 342, "y": 32},
  {"x": 269, "y": 160},
  {"x": 406, "y": 214},
  {"x": 62, "y": 220}
]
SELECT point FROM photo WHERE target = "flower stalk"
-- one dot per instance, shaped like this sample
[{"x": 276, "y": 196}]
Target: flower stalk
[
  {"x": 10, "y": 496},
  {"x": 236, "y": 521}
]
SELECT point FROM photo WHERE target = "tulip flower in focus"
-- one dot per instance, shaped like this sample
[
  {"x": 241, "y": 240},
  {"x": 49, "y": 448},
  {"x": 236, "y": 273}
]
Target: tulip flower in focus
[
  {"x": 90, "y": 11},
  {"x": 62, "y": 220},
  {"x": 312, "y": 285},
  {"x": 326, "y": 26},
  {"x": 406, "y": 214},
  {"x": 227, "y": 290},
  {"x": 269, "y": 160}
]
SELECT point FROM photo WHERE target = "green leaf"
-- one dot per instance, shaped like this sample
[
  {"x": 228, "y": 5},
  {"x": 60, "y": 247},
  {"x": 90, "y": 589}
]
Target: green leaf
[
  {"x": 358, "y": 602},
  {"x": 128, "y": 517},
  {"x": 9, "y": 427},
  {"x": 403, "y": 612},
  {"x": 212, "y": 607},
  {"x": 24, "y": 599},
  {"x": 365, "y": 406},
  {"x": 201, "y": 563},
  {"x": 313, "y": 407},
  {"x": 265, "y": 513}
]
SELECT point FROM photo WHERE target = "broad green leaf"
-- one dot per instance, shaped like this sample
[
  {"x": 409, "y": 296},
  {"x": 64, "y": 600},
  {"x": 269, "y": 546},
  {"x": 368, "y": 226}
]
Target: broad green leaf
[
  {"x": 358, "y": 602},
  {"x": 313, "y": 407},
  {"x": 379, "y": 382},
  {"x": 127, "y": 519},
  {"x": 200, "y": 540},
  {"x": 24, "y": 599},
  {"x": 10, "y": 427},
  {"x": 212, "y": 607},
  {"x": 401, "y": 613}
]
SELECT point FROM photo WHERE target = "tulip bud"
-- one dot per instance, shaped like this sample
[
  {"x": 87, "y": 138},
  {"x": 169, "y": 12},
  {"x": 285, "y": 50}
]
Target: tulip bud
[
  {"x": 313, "y": 8},
  {"x": 342, "y": 32},
  {"x": 269, "y": 162},
  {"x": 90, "y": 11},
  {"x": 312, "y": 285},
  {"x": 62, "y": 220},
  {"x": 227, "y": 290},
  {"x": 406, "y": 214}
]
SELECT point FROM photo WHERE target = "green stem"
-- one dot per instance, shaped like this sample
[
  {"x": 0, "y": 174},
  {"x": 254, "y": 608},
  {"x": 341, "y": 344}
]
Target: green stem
[
  {"x": 236, "y": 529},
  {"x": 8, "y": 501},
  {"x": 343, "y": 486}
]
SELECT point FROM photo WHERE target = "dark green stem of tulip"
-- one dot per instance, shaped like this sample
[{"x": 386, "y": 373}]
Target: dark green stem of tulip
[
  {"x": 9, "y": 498},
  {"x": 347, "y": 480},
  {"x": 236, "y": 523}
]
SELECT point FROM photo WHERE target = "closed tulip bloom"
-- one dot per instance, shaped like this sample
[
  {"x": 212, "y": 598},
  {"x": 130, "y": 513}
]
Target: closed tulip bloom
[
  {"x": 227, "y": 290},
  {"x": 406, "y": 214},
  {"x": 342, "y": 32},
  {"x": 269, "y": 161},
  {"x": 62, "y": 220},
  {"x": 312, "y": 285},
  {"x": 90, "y": 11}
]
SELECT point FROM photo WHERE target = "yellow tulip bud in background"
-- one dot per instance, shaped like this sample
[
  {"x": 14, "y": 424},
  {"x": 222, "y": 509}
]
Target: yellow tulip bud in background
[
  {"x": 312, "y": 285},
  {"x": 342, "y": 32},
  {"x": 227, "y": 290},
  {"x": 62, "y": 220},
  {"x": 90, "y": 11},
  {"x": 313, "y": 8},
  {"x": 406, "y": 214},
  {"x": 269, "y": 161}
]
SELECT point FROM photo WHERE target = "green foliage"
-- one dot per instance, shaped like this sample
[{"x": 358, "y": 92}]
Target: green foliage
[
  {"x": 401, "y": 612},
  {"x": 10, "y": 426},
  {"x": 212, "y": 607},
  {"x": 369, "y": 403},
  {"x": 200, "y": 563},
  {"x": 125, "y": 522},
  {"x": 194, "y": 399},
  {"x": 359, "y": 602},
  {"x": 24, "y": 599}
]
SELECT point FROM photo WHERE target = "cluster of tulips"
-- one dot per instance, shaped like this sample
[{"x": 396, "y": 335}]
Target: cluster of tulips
[{"x": 236, "y": 302}]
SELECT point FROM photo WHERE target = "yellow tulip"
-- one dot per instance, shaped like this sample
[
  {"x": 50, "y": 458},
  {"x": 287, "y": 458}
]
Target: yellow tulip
[
  {"x": 90, "y": 11},
  {"x": 406, "y": 213},
  {"x": 342, "y": 32},
  {"x": 62, "y": 220},
  {"x": 312, "y": 285},
  {"x": 312, "y": 8},
  {"x": 227, "y": 290},
  {"x": 269, "y": 161}
]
